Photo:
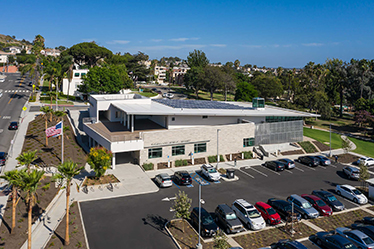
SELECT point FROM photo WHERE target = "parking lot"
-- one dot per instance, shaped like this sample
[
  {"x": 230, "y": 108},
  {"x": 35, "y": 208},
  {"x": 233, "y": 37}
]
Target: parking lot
[{"x": 137, "y": 221}]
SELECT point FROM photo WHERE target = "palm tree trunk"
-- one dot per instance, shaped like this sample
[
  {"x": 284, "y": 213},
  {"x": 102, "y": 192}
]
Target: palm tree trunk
[
  {"x": 46, "y": 138},
  {"x": 29, "y": 221},
  {"x": 67, "y": 238},
  {"x": 14, "y": 194}
]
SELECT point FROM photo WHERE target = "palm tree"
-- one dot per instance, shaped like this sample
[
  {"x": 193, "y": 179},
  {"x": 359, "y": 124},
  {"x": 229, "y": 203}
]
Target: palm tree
[
  {"x": 46, "y": 110},
  {"x": 66, "y": 172},
  {"x": 13, "y": 179},
  {"x": 26, "y": 158},
  {"x": 29, "y": 184},
  {"x": 59, "y": 115}
]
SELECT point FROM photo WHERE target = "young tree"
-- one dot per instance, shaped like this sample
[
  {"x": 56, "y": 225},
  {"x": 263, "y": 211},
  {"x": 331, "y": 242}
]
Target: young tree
[
  {"x": 26, "y": 158},
  {"x": 346, "y": 144},
  {"x": 212, "y": 79},
  {"x": 182, "y": 206},
  {"x": 99, "y": 159},
  {"x": 220, "y": 241},
  {"x": 194, "y": 79},
  {"x": 59, "y": 115},
  {"x": 46, "y": 110},
  {"x": 29, "y": 185},
  {"x": 13, "y": 179},
  {"x": 364, "y": 174},
  {"x": 197, "y": 58},
  {"x": 245, "y": 91},
  {"x": 66, "y": 172}
]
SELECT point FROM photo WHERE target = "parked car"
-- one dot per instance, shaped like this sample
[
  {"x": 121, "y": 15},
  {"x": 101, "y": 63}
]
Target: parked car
[
  {"x": 323, "y": 160},
  {"x": 367, "y": 220},
  {"x": 13, "y": 125},
  {"x": 30, "y": 83},
  {"x": 351, "y": 193},
  {"x": 248, "y": 214},
  {"x": 182, "y": 177},
  {"x": 3, "y": 158},
  {"x": 366, "y": 161},
  {"x": 210, "y": 172},
  {"x": 283, "y": 208},
  {"x": 170, "y": 95},
  {"x": 228, "y": 219},
  {"x": 207, "y": 225},
  {"x": 268, "y": 213},
  {"x": 333, "y": 241},
  {"x": 366, "y": 229},
  {"x": 309, "y": 160},
  {"x": 351, "y": 172},
  {"x": 288, "y": 162},
  {"x": 288, "y": 244},
  {"x": 164, "y": 95},
  {"x": 303, "y": 206},
  {"x": 275, "y": 165},
  {"x": 318, "y": 204},
  {"x": 163, "y": 180},
  {"x": 357, "y": 237},
  {"x": 330, "y": 199},
  {"x": 154, "y": 89}
]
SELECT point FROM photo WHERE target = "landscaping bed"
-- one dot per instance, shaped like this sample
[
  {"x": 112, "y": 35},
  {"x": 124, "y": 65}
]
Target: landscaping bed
[
  {"x": 292, "y": 152},
  {"x": 77, "y": 239},
  {"x": 200, "y": 160},
  {"x": 187, "y": 239},
  {"x": 105, "y": 179},
  {"x": 321, "y": 146},
  {"x": 266, "y": 237},
  {"x": 19, "y": 235},
  {"x": 51, "y": 155},
  {"x": 345, "y": 158},
  {"x": 238, "y": 156},
  {"x": 163, "y": 165},
  {"x": 339, "y": 220},
  {"x": 308, "y": 147}
]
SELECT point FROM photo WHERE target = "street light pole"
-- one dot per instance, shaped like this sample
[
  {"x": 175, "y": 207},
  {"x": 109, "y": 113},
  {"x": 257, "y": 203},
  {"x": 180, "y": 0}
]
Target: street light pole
[
  {"x": 218, "y": 130},
  {"x": 330, "y": 139},
  {"x": 199, "y": 245}
]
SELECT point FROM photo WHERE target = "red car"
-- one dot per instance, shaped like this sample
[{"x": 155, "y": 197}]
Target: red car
[
  {"x": 318, "y": 204},
  {"x": 268, "y": 213}
]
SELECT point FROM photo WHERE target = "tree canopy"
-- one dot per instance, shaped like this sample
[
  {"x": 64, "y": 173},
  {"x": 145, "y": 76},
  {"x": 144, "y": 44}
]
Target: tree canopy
[
  {"x": 88, "y": 53},
  {"x": 197, "y": 58}
]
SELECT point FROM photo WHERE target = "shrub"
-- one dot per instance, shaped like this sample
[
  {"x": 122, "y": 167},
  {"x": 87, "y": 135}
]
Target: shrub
[
  {"x": 181, "y": 162},
  {"x": 148, "y": 166},
  {"x": 247, "y": 154},
  {"x": 46, "y": 187},
  {"x": 308, "y": 147},
  {"x": 213, "y": 159},
  {"x": 99, "y": 159}
]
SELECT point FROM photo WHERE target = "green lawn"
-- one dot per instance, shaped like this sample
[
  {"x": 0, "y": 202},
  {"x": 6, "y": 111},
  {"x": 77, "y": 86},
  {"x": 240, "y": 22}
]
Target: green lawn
[
  {"x": 363, "y": 147},
  {"x": 218, "y": 96},
  {"x": 323, "y": 137},
  {"x": 147, "y": 94},
  {"x": 60, "y": 102}
]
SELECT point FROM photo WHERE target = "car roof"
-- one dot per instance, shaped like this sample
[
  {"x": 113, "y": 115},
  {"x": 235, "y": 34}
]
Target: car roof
[
  {"x": 226, "y": 208},
  {"x": 279, "y": 200},
  {"x": 13, "y": 122},
  {"x": 313, "y": 197},
  {"x": 263, "y": 204},
  {"x": 182, "y": 172},
  {"x": 244, "y": 203},
  {"x": 164, "y": 175},
  {"x": 2, "y": 153},
  {"x": 286, "y": 159},
  {"x": 351, "y": 167},
  {"x": 298, "y": 197},
  {"x": 323, "y": 192},
  {"x": 359, "y": 233},
  {"x": 348, "y": 186}
]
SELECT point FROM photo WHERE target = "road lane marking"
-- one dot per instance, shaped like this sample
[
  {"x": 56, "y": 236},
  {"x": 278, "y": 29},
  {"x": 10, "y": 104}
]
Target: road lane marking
[
  {"x": 20, "y": 83},
  {"x": 6, "y": 117},
  {"x": 246, "y": 173},
  {"x": 258, "y": 171},
  {"x": 288, "y": 171},
  {"x": 299, "y": 169},
  {"x": 271, "y": 170}
]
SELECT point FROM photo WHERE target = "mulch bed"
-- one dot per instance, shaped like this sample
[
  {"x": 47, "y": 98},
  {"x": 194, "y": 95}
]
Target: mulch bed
[
  {"x": 51, "y": 155},
  {"x": 200, "y": 160},
  {"x": 187, "y": 239},
  {"x": 163, "y": 165},
  {"x": 238, "y": 156},
  {"x": 345, "y": 158},
  {"x": 105, "y": 179},
  {"x": 267, "y": 237},
  {"x": 19, "y": 235},
  {"x": 292, "y": 152},
  {"x": 321, "y": 146},
  {"x": 339, "y": 220},
  {"x": 77, "y": 239}
]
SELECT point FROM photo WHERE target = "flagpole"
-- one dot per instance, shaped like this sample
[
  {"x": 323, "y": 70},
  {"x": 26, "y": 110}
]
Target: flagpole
[{"x": 62, "y": 140}]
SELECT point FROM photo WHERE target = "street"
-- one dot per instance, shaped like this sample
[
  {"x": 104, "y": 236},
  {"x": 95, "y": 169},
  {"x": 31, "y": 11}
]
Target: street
[{"x": 15, "y": 92}]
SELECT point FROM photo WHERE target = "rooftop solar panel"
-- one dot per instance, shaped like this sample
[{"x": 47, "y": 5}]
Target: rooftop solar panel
[{"x": 198, "y": 104}]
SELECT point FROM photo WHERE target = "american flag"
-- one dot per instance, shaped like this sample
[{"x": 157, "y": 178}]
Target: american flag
[{"x": 54, "y": 131}]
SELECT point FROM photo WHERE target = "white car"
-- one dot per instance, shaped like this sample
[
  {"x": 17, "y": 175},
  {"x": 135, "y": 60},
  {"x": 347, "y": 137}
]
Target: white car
[
  {"x": 163, "y": 180},
  {"x": 170, "y": 95},
  {"x": 351, "y": 193},
  {"x": 248, "y": 214},
  {"x": 210, "y": 172},
  {"x": 367, "y": 161}
]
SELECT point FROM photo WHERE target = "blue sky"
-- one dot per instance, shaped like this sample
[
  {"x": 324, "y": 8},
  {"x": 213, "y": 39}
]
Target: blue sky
[{"x": 263, "y": 33}]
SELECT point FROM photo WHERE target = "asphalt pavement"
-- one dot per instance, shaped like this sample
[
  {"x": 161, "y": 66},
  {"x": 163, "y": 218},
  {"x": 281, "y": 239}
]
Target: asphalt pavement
[{"x": 15, "y": 93}]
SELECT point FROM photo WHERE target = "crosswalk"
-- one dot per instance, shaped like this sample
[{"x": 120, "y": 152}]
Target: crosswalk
[{"x": 16, "y": 91}]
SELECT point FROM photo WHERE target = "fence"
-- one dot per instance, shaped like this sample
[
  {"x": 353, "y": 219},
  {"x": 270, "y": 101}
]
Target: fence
[{"x": 279, "y": 132}]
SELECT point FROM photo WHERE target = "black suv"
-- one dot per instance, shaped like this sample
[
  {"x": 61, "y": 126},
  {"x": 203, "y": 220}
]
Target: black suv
[
  {"x": 182, "y": 177},
  {"x": 275, "y": 165},
  {"x": 309, "y": 160},
  {"x": 207, "y": 225},
  {"x": 330, "y": 199},
  {"x": 226, "y": 216},
  {"x": 283, "y": 208}
]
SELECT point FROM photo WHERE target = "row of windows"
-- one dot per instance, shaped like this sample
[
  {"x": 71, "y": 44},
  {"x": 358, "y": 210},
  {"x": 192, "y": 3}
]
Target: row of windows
[
  {"x": 77, "y": 74},
  {"x": 272, "y": 119},
  {"x": 248, "y": 142}
]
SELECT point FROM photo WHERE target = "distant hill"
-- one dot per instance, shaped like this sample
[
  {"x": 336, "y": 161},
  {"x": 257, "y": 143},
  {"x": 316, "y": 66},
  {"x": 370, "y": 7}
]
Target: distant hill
[{"x": 7, "y": 41}]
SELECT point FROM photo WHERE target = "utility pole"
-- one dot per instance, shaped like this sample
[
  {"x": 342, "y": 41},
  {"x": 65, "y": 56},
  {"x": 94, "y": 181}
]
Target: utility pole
[
  {"x": 199, "y": 245},
  {"x": 330, "y": 140},
  {"x": 218, "y": 130}
]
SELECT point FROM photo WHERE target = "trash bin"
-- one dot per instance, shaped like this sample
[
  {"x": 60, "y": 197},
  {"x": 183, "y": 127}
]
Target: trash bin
[
  {"x": 261, "y": 157},
  {"x": 230, "y": 173}
]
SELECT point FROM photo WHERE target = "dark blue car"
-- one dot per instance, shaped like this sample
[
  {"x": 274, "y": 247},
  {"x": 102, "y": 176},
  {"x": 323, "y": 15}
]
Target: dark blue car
[
  {"x": 333, "y": 241},
  {"x": 288, "y": 244}
]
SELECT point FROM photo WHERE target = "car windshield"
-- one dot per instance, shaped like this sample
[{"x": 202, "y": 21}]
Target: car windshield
[
  {"x": 2, "y": 156},
  {"x": 206, "y": 220},
  {"x": 231, "y": 216},
  {"x": 356, "y": 191},
  {"x": 348, "y": 246},
  {"x": 287, "y": 208},
  {"x": 271, "y": 211},
  {"x": 306, "y": 205},
  {"x": 368, "y": 240},
  {"x": 253, "y": 214},
  {"x": 167, "y": 179},
  {"x": 331, "y": 198},
  {"x": 320, "y": 203},
  {"x": 212, "y": 170}
]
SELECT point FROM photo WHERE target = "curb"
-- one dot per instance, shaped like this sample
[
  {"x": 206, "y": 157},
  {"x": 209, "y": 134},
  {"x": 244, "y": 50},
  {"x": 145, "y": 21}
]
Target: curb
[
  {"x": 171, "y": 236},
  {"x": 83, "y": 228}
]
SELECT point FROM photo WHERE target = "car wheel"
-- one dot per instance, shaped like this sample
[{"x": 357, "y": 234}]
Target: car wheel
[
  {"x": 355, "y": 200},
  {"x": 227, "y": 230},
  {"x": 319, "y": 242},
  {"x": 268, "y": 222},
  {"x": 338, "y": 192},
  {"x": 249, "y": 226},
  {"x": 305, "y": 216},
  {"x": 310, "y": 165}
]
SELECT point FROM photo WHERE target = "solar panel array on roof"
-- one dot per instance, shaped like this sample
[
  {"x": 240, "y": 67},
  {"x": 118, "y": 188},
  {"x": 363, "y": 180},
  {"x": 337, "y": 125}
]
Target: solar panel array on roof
[{"x": 198, "y": 104}]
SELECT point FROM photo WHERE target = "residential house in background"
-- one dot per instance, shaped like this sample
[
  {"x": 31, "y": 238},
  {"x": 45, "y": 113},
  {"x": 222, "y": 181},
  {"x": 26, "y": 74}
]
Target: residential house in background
[
  {"x": 178, "y": 74},
  {"x": 4, "y": 57},
  {"x": 13, "y": 50},
  {"x": 160, "y": 72},
  {"x": 72, "y": 86},
  {"x": 51, "y": 51}
]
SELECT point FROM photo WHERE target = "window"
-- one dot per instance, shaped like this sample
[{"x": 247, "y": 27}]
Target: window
[
  {"x": 177, "y": 150},
  {"x": 199, "y": 148},
  {"x": 273, "y": 119},
  {"x": 248, "y": 142},
  {"x": 155, "y": 153},
  {"x": 117, "y": 114},
  {"x": 172, "y": 119},
  {"x": 83, "y": 74},
  {"x": 205, "y": 116},
  {"x": 76, "y": 74}
]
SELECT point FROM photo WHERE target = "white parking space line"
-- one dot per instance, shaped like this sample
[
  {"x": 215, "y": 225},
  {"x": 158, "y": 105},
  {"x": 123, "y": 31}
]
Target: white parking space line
[
  {"x": 332, "y": 165},
  {"x": 299, "y": 169},
  {"x": 258, "y": 171},
  {"x": 246, "y": 173},
  {"x": 270, "y": 170},
  {"x": 308, "y": 167},
  {"x": 288, "y": 171},
  {"x": 322, "y": 167}
]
